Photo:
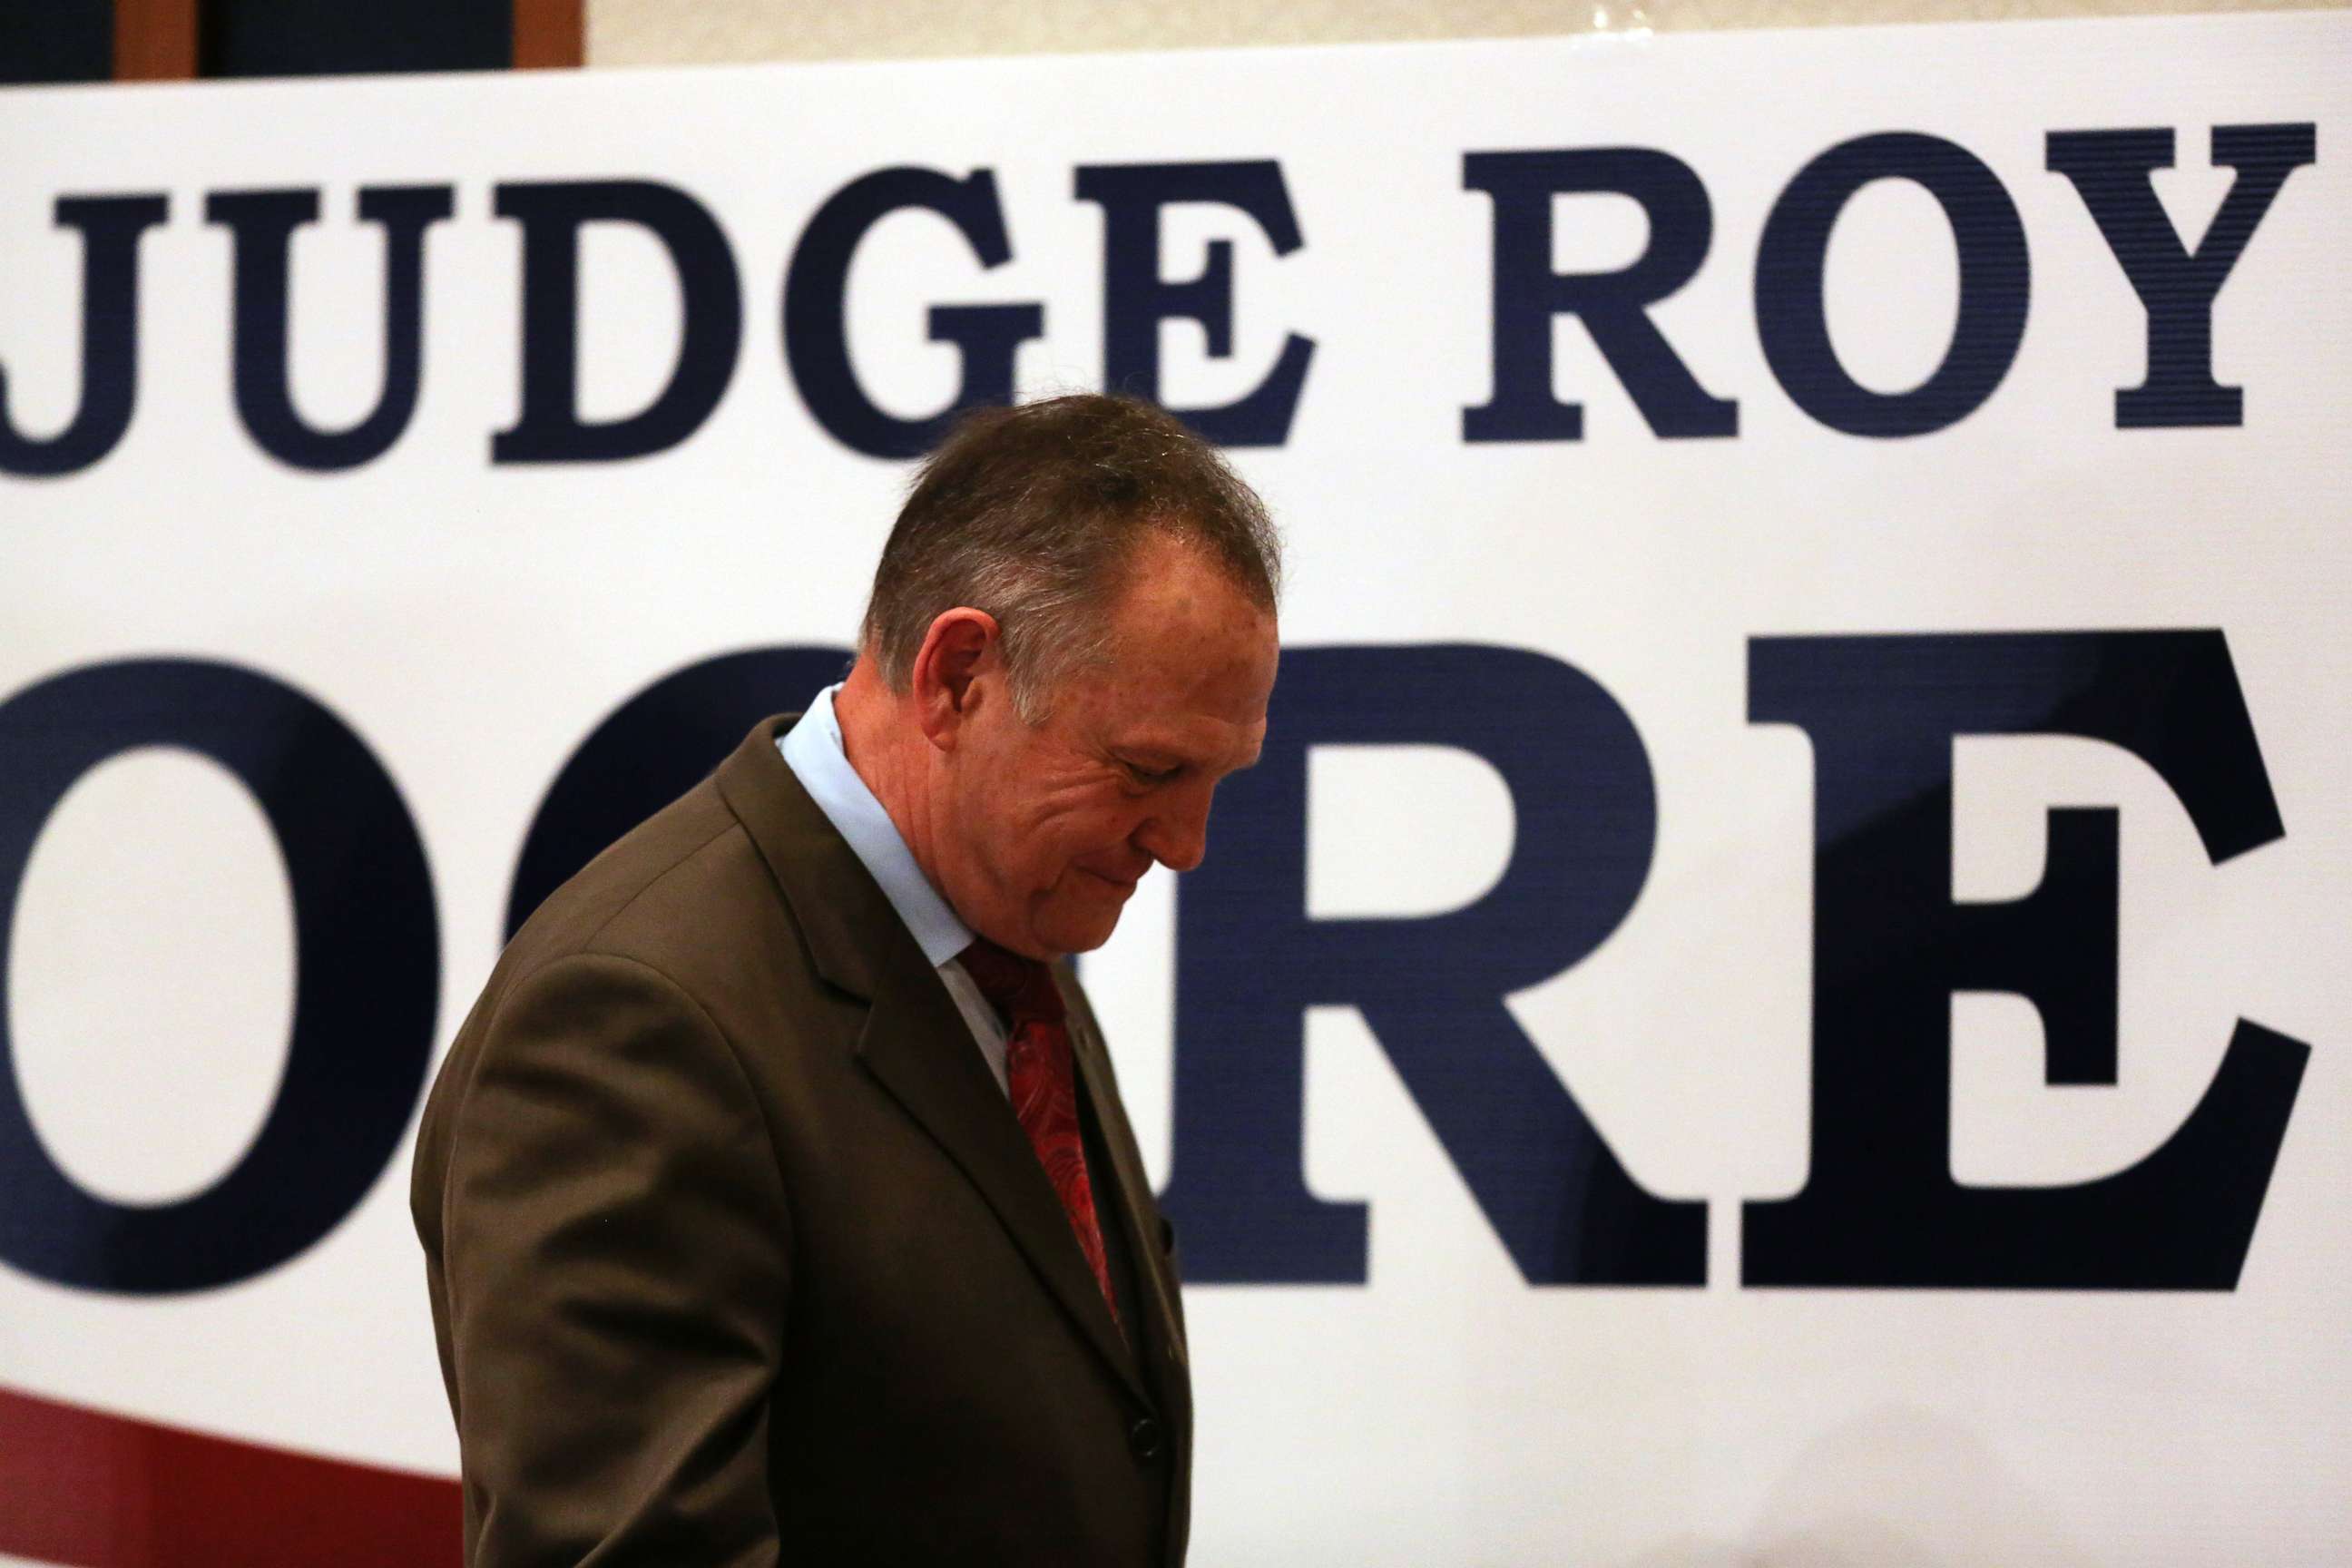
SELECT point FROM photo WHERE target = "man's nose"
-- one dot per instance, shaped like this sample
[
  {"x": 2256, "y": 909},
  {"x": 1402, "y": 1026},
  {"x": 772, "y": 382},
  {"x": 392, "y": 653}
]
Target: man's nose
[{"x": 1177, "y": 835}]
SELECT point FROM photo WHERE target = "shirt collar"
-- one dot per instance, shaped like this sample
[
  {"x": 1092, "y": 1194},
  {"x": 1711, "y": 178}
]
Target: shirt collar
[{"x": 812, "y": 750}]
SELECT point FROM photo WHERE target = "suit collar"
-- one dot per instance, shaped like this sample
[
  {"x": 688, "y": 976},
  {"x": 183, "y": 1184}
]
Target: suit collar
[
  {"x": 814, "y": 751},
  {"x": 839, "y": 908},
  {"x": 915, "y": 1043}
]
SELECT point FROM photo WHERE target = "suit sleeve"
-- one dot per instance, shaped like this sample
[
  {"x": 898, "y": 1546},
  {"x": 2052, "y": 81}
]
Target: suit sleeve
[{"x": 617, "y": 1252}]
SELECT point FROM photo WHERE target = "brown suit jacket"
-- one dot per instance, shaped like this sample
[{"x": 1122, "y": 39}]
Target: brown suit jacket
[{"x": 739, "y": 1256}]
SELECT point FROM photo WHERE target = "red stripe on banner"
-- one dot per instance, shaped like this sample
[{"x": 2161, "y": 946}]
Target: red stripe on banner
[{"x": 93, "y": 1491}]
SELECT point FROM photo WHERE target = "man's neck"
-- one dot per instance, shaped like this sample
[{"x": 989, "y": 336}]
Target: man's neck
[{"x": 880, "y": 748}]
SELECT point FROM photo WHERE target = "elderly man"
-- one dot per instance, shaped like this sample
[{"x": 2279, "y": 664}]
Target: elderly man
[{"x": 777, "y": 1200}]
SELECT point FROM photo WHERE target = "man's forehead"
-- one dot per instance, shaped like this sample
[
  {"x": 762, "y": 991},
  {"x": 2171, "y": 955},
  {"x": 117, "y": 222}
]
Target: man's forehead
[{"x": 1194, "y": 682}]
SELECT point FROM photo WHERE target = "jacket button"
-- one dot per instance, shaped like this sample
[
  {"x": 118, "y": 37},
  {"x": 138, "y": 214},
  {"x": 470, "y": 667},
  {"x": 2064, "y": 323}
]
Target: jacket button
[{"x": 1144, "y": 1440}]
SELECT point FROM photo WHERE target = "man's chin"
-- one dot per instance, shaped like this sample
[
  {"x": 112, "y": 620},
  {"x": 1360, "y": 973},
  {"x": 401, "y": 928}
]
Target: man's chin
[{"x": 1077, "y": 931}]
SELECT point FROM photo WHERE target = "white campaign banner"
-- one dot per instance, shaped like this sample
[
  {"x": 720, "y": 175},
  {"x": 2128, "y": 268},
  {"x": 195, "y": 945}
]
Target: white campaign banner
[{"x": 1781, "y": 996}]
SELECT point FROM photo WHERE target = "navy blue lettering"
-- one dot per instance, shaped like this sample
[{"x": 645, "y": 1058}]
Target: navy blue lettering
[
  {"x": 1250, "y": 962},
  {"x": 2110, "y": 171},
  {"x": 1792, "y": 319},
  {"x": 1613, "y": 306},
  {"x": 367, "y": 967},
  {"x": 263, "y": 225},
  {"x": 110, "y": 229},
  {"x": 1880, "y": 1206},
  {"x": 1137, "y": 299},
  {"x": 816, "y": 335},
  {"x": 549, "y": 429}
]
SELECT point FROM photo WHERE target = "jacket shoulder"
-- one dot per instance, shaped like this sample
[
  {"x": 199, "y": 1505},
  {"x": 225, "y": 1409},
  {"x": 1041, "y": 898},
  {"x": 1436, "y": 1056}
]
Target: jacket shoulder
[
  {"x": 685, "y": 894},
  {"x": 580, "y": 915}
]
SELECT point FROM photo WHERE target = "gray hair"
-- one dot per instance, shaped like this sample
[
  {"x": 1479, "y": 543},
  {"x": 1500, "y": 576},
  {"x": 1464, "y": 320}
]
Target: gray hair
[{"x": 1033, "y": 514}]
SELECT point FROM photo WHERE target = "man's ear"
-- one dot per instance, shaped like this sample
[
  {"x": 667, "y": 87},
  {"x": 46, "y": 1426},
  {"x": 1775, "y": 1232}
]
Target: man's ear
[{"x": 954, "y": 669}]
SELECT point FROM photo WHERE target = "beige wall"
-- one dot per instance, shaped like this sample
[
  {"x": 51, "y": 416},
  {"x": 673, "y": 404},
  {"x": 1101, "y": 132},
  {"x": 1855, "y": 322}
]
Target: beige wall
[{"x": 671, "y": 32}]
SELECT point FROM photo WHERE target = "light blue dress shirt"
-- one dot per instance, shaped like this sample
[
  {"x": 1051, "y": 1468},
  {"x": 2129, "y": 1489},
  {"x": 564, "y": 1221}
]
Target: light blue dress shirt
[{"x": 813, "y": 749}]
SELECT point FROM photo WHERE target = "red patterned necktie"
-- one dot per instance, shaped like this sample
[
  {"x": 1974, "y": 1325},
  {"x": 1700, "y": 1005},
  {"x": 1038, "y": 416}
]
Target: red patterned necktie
[{"x": 1044, "y": 1091}]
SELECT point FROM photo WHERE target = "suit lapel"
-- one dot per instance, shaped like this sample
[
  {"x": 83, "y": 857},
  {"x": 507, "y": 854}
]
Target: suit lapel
[
  {"x": 1120, "y": 1196},
  {"x": 1123, "y": 1196},
  {"x": 915, "y": 1042},
  {"x": 919, "y": 1045}
]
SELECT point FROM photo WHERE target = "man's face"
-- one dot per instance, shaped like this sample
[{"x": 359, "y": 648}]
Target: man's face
[{"x": 1049, "y": 828}]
